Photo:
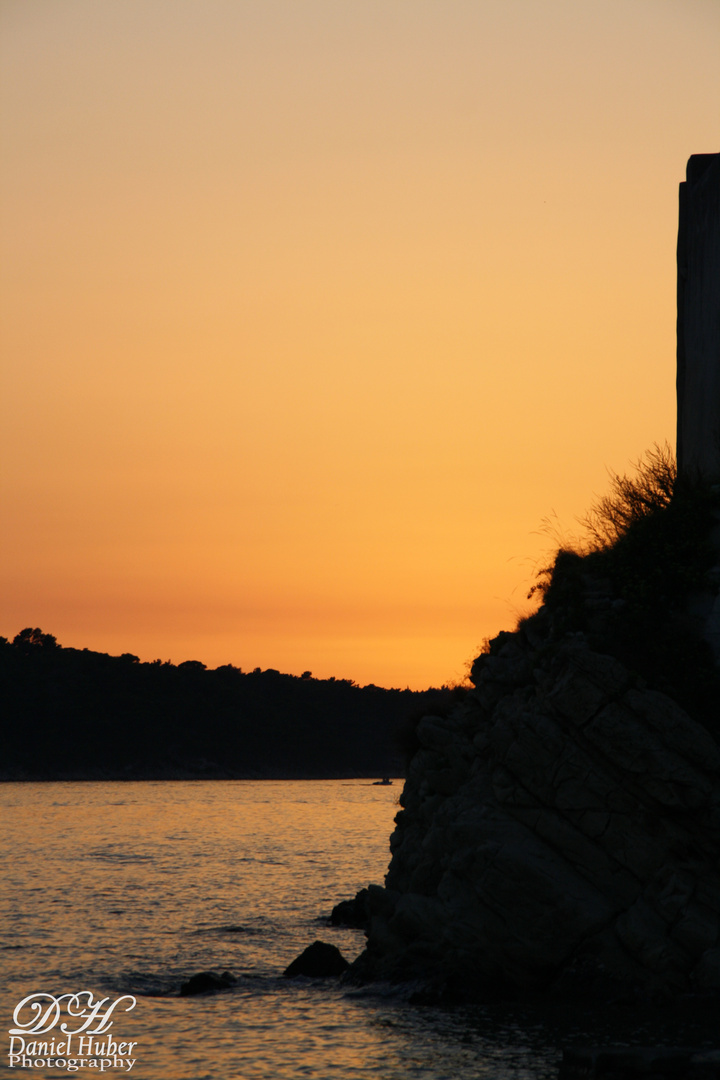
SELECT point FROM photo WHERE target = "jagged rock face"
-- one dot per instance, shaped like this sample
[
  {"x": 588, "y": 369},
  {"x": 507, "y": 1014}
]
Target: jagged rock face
[{"x": 560, "y": 830}]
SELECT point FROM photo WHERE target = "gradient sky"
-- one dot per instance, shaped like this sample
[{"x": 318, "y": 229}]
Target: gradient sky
[{"x": 313, "y": 310}]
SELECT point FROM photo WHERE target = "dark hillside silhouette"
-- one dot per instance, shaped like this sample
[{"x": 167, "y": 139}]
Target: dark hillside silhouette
[{"x": 77, "y": 714}]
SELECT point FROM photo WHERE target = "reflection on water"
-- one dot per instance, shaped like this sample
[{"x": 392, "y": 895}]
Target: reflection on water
[{"x": 133, "y": 887}]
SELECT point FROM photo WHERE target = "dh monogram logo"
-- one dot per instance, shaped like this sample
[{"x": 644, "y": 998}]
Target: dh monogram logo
[{"x": 39, "y": 1013}]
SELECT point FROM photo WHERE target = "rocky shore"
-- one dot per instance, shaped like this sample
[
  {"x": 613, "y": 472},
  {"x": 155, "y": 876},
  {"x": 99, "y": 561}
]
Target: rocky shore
[{"x": 559, "y": 834}]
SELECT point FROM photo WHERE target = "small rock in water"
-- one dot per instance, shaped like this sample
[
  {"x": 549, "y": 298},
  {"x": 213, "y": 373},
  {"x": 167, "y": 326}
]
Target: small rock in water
[
  {"x": 318, "y": 961},
  {"x": 206, "y": 982},
  {"x": 351, "y": 912}
]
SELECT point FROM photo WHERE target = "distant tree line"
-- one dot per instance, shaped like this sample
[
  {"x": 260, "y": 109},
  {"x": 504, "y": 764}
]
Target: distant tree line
[{"x": 77, "y": 714}]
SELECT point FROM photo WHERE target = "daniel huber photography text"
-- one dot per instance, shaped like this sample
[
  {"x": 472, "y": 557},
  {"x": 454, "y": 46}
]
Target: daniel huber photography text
[{"x": 72, "y": 1045}]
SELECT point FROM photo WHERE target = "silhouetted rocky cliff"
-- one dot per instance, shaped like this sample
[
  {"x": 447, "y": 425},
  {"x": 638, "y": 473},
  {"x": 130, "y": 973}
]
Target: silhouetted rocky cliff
[{"x": 560, "y": 830}]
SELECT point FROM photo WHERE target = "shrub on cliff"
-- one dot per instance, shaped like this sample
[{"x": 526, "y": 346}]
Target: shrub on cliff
[
  {"x": 650, "y": 536},
  {"x": 647, "y": 549},
  {"x": 633, "y": 499}
]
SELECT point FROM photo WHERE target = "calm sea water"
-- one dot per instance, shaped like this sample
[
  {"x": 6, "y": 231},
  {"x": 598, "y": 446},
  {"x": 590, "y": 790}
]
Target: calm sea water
[{"x": 130, "y": 888}]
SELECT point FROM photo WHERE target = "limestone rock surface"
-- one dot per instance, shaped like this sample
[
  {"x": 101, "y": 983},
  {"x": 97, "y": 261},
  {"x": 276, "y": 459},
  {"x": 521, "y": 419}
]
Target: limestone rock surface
[{"x": 559, "y": 831}]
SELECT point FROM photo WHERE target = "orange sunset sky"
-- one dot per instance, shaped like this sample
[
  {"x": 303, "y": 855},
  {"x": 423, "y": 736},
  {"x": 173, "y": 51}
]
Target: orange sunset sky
[{"x": 312, "y": 310}]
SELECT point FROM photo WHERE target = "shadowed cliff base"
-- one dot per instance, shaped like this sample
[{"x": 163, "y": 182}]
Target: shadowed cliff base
[{"x": 560, "y": 830}]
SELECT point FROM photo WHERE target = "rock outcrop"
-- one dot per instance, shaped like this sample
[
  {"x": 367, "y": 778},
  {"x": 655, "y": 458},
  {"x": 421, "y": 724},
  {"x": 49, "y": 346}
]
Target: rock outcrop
[
  {"x": 560, "y": 832},
  {"x": 351, "y": 912},
  {"x": 319, "y": 961}
]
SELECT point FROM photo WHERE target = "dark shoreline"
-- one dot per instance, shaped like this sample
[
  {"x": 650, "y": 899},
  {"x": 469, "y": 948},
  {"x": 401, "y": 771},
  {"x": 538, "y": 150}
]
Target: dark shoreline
[
  {"x": 71, "y": 714},
  {"x": 179, "y": 777}
]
